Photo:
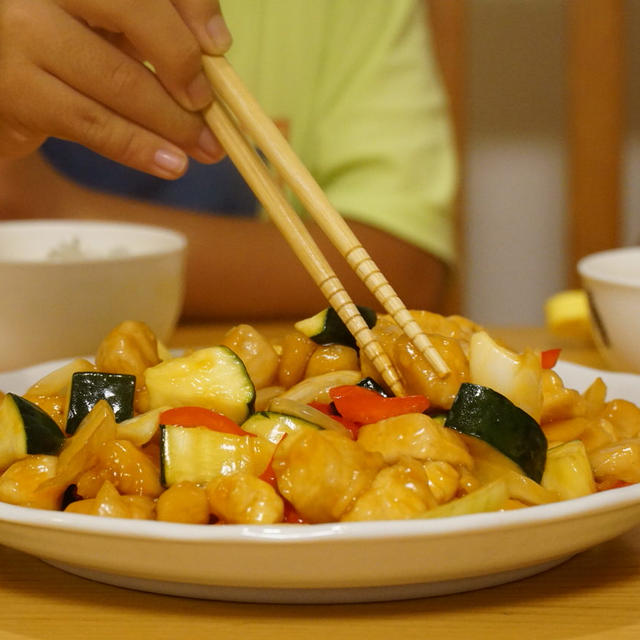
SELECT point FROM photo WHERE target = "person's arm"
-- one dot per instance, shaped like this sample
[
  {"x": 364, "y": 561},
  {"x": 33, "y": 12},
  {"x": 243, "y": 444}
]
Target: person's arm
[
  {"x": 383, "y": 147},
  {"x": 237, "y": 268},
  {"x": 75, "y": 69}
]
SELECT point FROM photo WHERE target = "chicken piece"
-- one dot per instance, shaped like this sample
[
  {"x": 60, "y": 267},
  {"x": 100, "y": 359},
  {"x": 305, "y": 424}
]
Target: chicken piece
[
  {"x": 599, "y": 433},
  {"x": 107, "y": 503},
  {"x": 398, "y": 492},
  {"x": 296, "y": 351},
  {"x": 468, "y": 482},
  {"x": 322, "y": 473},
  {"x": 415, "y": 435},
  {"x": 184, "y": 502},
  {"x": 450, "y": 336},
  {"x": 110, "y": 503},
  {"x": 443, "y": 480},
  {"x": 386, "y": 332},
  {"x": 419, "y": 376},
  {"x": 624, "y": 416},
  {"x": 131, "y": 347},
  {"x": 455, "y": 327},
  {"x": 594, "y": 432},
  {"x": 594, "y": 398},
  {"x": 242, "y": 498},
  {"x": 565, "y": 430},
  {"x": 466, "y": 326},
  {"x": 128, "y": 468},
  {"x": 140, "y": 507},
  {"x": 80, "y": 451},
  {"x": 22, "y": 483},
  {"x": 620, "y": 460},
  {"x": 332, "y": 357},
  {"x": 558, "y": 402},
  {"x": 255, "y": 351}
]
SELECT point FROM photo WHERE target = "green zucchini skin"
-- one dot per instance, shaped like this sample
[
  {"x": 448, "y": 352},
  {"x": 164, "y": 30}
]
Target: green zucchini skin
[
  {"x": 87, "y": 387},
  {"x": 372, "y": 385},
  {"x": 486, "y": 414},
  {"x": 272, "y": 425},
  {"x": 43, "y": 434},
  {"x": 26, "y": 429},
  {"x": 326, "y": 327}
]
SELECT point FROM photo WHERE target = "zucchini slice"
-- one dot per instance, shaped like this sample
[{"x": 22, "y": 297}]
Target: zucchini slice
[
  {"x": 213, "y": 378},
  {"x": 198, "y": 454},
  {"x": 273, "y": 426},
  {"x": 26, "y": 429},
  {"x": 87, "y": 387},
  {"x": 326, "y": 327},
  {"x": 486, "y": 414},
  {"x": 372, "y": 385}
]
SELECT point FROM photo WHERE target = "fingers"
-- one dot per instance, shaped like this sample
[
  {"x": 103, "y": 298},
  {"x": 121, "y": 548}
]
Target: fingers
[
  {"x": 60, "y": 78},
  {"x": 169, "y": 35},
  {"x": 207, "y": 24},
  {"x": 99, "y": 129},
  {"x": 125, "y": 86}
]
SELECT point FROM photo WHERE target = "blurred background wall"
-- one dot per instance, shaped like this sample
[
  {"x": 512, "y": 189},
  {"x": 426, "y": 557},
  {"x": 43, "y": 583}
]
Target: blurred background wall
[{"x": 515, "y": 156}]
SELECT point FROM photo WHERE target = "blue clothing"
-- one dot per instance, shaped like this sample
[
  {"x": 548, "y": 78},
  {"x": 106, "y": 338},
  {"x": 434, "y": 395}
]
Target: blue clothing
[{"x": 217, "y": 188}]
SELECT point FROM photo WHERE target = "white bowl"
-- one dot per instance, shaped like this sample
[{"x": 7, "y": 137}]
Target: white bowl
[
  {"x": 612, "y": 282},
  {"x": 64, "y": 284}
]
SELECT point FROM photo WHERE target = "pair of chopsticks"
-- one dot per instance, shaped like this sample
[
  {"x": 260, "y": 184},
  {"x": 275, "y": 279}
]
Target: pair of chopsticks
[{"x": 234, "y": 115}]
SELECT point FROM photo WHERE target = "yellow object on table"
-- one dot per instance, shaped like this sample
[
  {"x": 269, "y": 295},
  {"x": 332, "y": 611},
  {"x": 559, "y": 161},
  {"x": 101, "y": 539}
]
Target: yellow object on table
[{"x": 567, "y": 314}]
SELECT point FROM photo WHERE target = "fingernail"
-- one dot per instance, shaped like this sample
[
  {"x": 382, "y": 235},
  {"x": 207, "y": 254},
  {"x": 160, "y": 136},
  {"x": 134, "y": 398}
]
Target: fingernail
[
  {"x": 171, "y": 163},
  {"x": 209, "y": 145},
  {"x": 199, "y": 92},
  {"x": 219, "y": 34}
]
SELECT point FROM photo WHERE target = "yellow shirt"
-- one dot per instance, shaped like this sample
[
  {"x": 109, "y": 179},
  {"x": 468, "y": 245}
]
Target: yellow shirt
[{"x": 355, "y": 85}]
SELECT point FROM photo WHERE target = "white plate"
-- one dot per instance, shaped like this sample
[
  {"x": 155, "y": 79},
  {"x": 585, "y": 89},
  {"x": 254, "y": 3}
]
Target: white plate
[{"x": 350, "y": 562}]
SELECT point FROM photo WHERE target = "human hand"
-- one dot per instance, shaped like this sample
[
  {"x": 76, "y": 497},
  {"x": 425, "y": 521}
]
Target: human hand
[{"x": 74, "y": 69}]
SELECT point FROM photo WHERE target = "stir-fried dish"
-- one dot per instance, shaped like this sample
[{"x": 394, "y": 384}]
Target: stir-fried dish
[{"x": 303, "y": 430}]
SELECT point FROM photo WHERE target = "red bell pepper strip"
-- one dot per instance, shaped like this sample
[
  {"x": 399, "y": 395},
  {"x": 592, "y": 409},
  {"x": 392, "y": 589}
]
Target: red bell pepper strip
[
  {"x": 201, "y": 417},
  {"x": 269, "y": 476},
  {"x": 365, "y": 406},
  {"x": 620, "y": 484},
  {"x": 549, "y": 358},
  {"x": 610, "y": 483},
  {"x": 291, "y": 516}
]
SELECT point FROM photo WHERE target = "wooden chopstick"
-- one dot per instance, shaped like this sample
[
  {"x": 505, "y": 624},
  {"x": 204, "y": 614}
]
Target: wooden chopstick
[
  {"x": 231, "y": 91},
  {"x": 261, "y": 181}
]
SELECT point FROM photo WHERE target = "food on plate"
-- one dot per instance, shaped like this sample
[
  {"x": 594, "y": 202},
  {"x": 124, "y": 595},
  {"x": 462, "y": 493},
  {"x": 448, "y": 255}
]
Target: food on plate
[{"x": 304, "y": 430}]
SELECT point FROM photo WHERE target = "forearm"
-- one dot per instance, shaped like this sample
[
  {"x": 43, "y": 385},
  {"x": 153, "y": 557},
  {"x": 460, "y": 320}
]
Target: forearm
[{"x": 237, "y": 268}]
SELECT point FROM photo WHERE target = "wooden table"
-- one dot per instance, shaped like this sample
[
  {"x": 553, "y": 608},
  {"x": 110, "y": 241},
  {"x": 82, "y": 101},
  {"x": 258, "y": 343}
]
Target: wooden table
[{"x": 594, "y": 595}]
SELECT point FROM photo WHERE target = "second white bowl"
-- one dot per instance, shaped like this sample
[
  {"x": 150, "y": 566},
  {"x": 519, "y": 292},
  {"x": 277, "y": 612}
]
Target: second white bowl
[{"x": 612, "y": 282}]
